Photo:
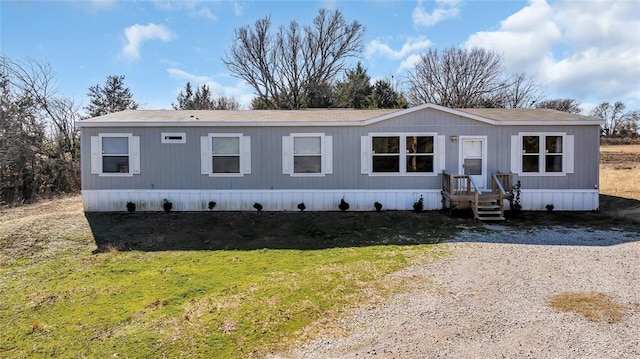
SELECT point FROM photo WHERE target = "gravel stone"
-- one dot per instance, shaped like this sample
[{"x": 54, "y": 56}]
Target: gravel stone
[{"x": 490, "y": 300}]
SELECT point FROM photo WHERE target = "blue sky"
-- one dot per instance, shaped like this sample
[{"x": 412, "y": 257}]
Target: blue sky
[{"x": 588, "y": 50}]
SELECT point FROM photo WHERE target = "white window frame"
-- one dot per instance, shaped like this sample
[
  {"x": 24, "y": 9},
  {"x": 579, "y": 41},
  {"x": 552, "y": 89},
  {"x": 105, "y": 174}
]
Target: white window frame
[
  {"x": 326, "y": 154},
  {"x": 97, "y": 155},
  {"x": 165, "y": 137},
  {"x": 206, "y": 154},
  {"x": 517, "y": 154},
  {"x": 367, "y": 154}
]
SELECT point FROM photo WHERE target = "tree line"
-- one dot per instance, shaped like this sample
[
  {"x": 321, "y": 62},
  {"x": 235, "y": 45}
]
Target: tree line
[{"x": 291, "y": 67}]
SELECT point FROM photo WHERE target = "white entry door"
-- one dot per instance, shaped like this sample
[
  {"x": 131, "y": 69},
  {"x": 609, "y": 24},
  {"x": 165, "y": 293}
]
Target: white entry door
[{"x": 473, "y": 159}]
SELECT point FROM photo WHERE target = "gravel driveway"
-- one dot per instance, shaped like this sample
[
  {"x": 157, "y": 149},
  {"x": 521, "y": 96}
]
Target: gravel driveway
[{"x": 490, "y": 300}]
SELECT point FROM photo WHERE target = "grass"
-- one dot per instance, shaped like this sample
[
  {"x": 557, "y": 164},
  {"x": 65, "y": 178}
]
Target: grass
[
  {"x": 59, "y": 299},
  {"x": 593, "y": 306},
  {"x": 230, "y": 285},
  {"x": 620, "y": 177}
]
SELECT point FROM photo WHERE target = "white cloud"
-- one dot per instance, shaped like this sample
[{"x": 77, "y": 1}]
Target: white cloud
[
  {"x": 411, "y": 45},
  {"x": 137, "y": 34},
  {"x": 444, "y": 9},
  {"x": 409, "y": 63},
  {"x": 237, "y": 8},
  {"x": 241, "y": 91},
  {"x": 204, "y": 12},
  {"x": 587, "y": 50}
]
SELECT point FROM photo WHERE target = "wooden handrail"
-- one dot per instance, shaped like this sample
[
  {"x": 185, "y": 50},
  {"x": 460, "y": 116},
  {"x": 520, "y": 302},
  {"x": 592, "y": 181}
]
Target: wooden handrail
[
  {"x": 472, "y": 182},
  {"x": 497, "y": 183}
]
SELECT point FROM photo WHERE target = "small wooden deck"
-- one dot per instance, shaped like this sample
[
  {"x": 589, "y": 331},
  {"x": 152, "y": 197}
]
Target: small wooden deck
[{"x": 461, "y": 192}]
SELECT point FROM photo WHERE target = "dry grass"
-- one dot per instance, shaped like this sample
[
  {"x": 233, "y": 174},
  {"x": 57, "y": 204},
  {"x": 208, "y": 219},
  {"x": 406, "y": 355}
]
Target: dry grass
[
  {"x": 620, "y": 148},
  {"x": 620, "y": 176},
  {"x": 593, "y": 306}
]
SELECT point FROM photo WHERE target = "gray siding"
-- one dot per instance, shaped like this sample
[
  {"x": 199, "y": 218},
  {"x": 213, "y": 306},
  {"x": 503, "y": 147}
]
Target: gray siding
[{"x": 177, "y": 166}]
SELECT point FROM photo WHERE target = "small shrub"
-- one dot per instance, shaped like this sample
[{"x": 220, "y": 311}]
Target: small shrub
[
  {"x": 131, "y": 207},
  {"x": 344, "y": 205},
  {"x": 516, "y": 207},
  {"x": 167, "y": 205},
  {"x": 301, "y": 206},
  {"x": 211, "y": 205},
  {"x": 549, "y": 207},
  {"x": 419, "y": 205},
  {"x": 378, "y": 206},
  {"x": 257, "y": 206}
]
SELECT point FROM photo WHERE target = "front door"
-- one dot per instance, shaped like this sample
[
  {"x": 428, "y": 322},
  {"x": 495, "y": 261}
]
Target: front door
[{"x": 473, "y": 161}]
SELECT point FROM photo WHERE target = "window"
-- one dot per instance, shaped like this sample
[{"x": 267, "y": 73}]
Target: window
[
  {"x": 419, "y": 153},
  {"x": 115, "y": 154},
  {"x": 542, "y": 154},
  {"x": 225, "y": 155},
  {"x": 386, "y": 154},
  {"x": 401, "y": 153},
  {"x": 307, "y": 154},
  {"x": 173, "y": 137}
]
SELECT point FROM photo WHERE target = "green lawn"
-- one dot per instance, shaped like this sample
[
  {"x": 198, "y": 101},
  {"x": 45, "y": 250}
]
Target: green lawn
[{"x": 64, "y": 301}]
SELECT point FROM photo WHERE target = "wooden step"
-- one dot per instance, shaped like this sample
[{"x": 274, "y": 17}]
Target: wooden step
[{"x": 487, "y": 208}]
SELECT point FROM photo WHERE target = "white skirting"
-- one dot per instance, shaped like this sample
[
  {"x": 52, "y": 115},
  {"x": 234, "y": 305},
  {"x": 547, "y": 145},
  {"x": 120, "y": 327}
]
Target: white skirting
[
  {"x": 561, "y": 199},
  {"x": 315, "y": 200},
  {"x": 243, "y": 200}
]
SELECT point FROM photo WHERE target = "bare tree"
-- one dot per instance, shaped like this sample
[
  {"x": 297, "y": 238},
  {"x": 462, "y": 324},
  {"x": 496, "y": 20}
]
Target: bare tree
[
  {"x": 522, "y": 91},
  {"x": 456, "y": 77},
  {"x": 561, "y": 104},
  {"x": 40, "y": 146},
  {"x": 282, "y": 66},
  {"x": 612, "y": 115}
]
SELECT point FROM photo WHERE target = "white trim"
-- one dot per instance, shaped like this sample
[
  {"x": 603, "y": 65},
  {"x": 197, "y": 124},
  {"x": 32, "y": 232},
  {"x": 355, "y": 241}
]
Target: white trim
[
  {"x": 441, "y": 144},
  {"x": 166, "y": 137},
  {"x": 567, "y": 154},
  {"x": 402, "y": 154},
  {"x": 484, "y": 140},
  {"x": 272, "y": 200},
  {"x": 133, "y": 143},
  {"x": 326, "y": 154},
  {"x": 365, "y": 155},
  {"x": 244, "y": 154}
]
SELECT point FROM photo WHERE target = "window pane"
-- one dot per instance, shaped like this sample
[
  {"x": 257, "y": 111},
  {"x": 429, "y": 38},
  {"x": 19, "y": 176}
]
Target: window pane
[
  {"x": 419, "y": 163},
  {"x": 419, "y": 144},
  {"x": 306, "y": 145},
  {"x": 229, "y": 164},
  {"x": 530, "y": 144},
  {"x": 386, "y": 164},
  {"x": 530, "y": 163},
  {"x": 553, "y": 163},
  {"x": 386, "y": 145},
  {"x": 554, "y": 144},
  {"x": 115, "y": 145},
  {"x": 472, "y": 167},
  {"x": 473, "y": 148},
  {"x": 226, "y": 145},
  {"x": 307, "y": 164},
  {"x": 115, "y": 164}
]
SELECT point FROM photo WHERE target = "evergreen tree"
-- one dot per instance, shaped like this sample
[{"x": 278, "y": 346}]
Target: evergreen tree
[
  {"x": 112, "y": 97},
  {"x": 355, "y": 90},
  {"x": 203, "y": 99},
  {"x": 384, "y": 96}
]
